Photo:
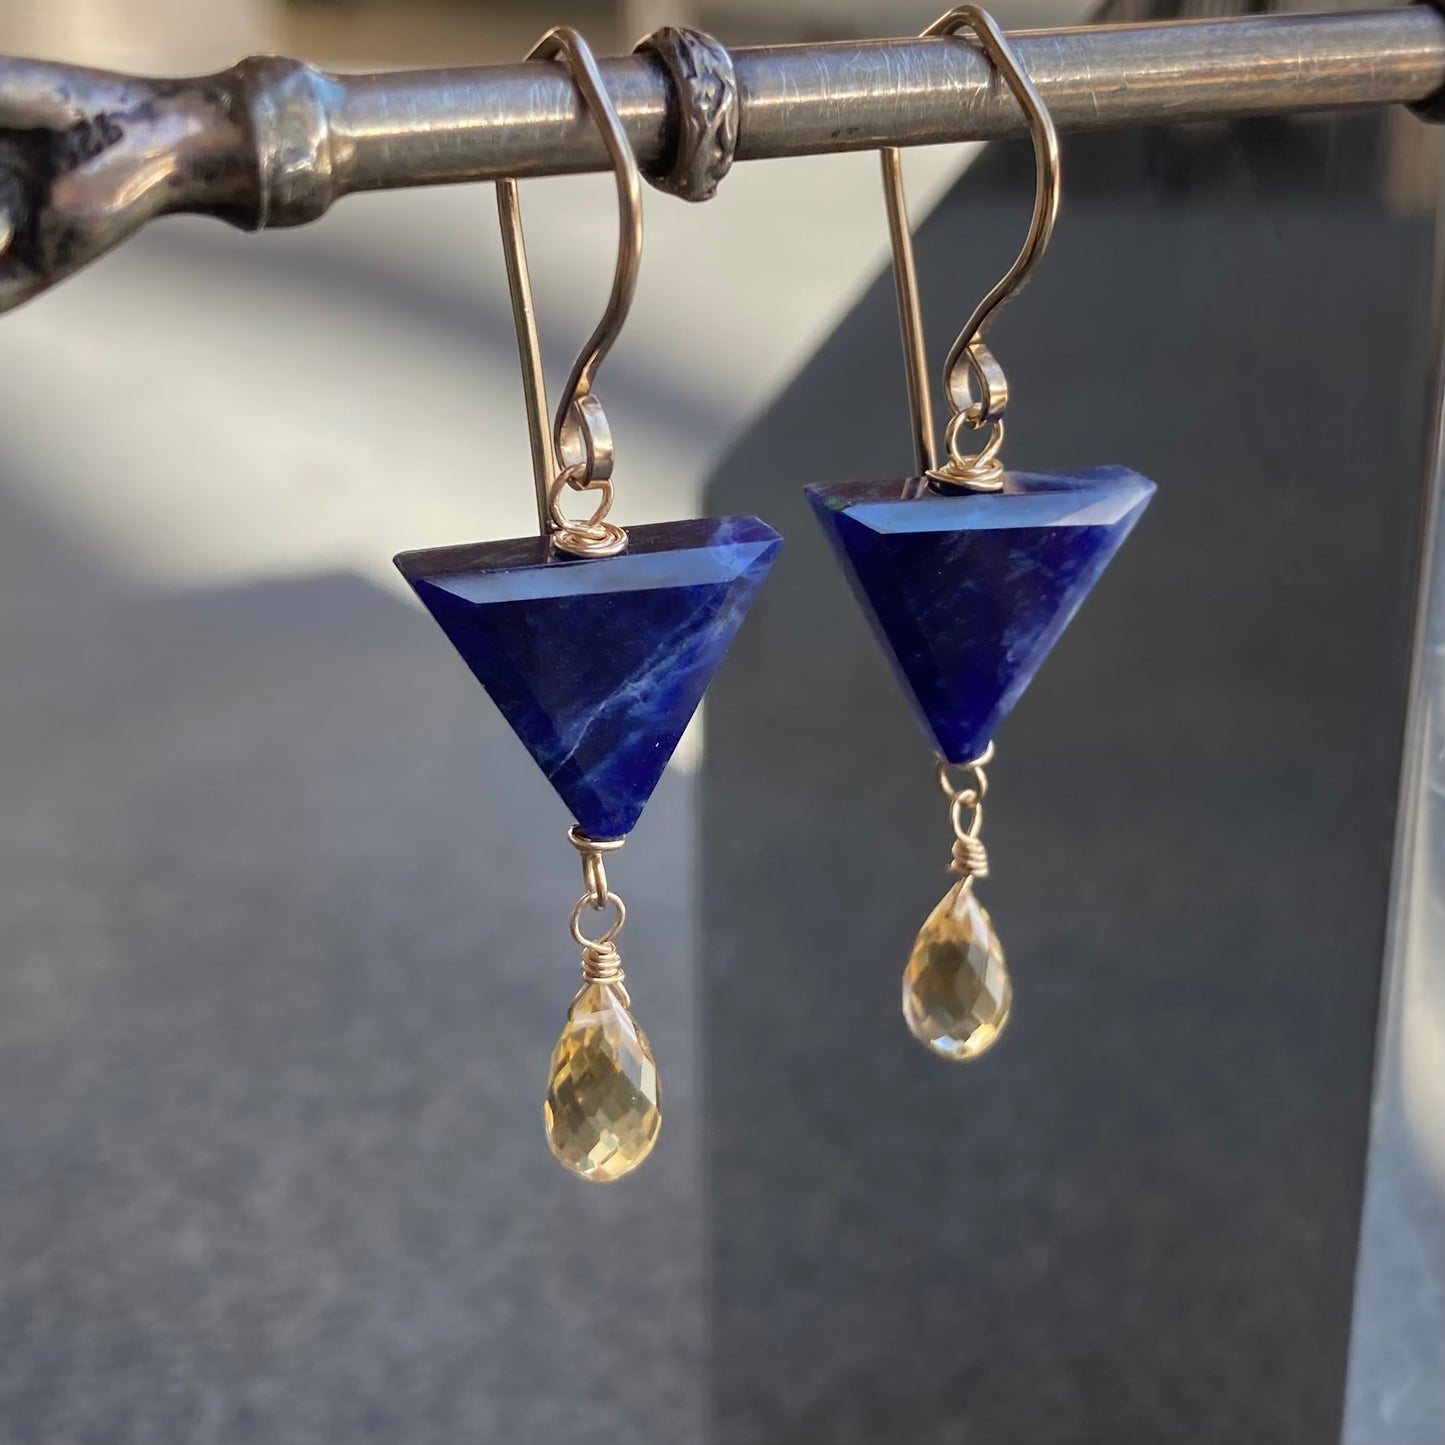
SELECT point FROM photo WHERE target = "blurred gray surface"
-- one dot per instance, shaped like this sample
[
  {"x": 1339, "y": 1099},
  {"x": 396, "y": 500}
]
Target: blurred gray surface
[{"x": 283, "y": 952}]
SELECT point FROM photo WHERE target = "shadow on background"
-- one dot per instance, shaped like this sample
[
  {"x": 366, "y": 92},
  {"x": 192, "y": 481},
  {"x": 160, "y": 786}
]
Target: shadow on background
[
  {"x": 1137, "y": 1219},
  {"x": 282, "y": 967}
]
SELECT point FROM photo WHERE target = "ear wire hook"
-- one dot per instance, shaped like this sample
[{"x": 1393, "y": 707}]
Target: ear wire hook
[
  {"x": 579, "y": 437},
  {"x": 969, "y": 360}
]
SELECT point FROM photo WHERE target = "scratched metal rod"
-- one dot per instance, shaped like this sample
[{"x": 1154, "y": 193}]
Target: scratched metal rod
[
  {"x": 274, "y": 142},
  {"x": 424, "y": 126}
]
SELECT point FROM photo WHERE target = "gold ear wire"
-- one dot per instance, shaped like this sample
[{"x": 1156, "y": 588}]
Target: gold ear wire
[
  {"x": 576, "y": 450},
  {"x": 969, "y": 361}
]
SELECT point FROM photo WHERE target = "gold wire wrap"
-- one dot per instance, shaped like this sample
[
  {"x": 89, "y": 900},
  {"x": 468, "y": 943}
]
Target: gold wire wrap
[
  {"x": 601, "y": 962},
  {"x": 970, "y": 857},
  {"x": 596, "y": 537}
]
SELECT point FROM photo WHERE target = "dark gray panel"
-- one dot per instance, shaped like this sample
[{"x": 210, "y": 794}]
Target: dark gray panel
[{"x": 1137, "y": 1220}]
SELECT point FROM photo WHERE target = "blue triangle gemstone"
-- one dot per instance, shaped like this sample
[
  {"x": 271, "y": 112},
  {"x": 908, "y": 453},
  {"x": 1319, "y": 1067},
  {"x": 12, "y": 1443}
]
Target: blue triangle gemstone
[
  {"x": 970, "y": 591},
  {"x": 598, "y": 663}
]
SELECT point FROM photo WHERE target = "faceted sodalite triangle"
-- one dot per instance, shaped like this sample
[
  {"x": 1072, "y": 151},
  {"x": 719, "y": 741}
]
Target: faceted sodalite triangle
[
  {"x": 598, "y": 663},
  {"x": 970, "y": 591}
]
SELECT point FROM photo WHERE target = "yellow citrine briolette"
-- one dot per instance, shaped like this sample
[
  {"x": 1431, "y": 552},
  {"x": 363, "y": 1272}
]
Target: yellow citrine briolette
[
  {"x": 602, "y": 1111},
  {"x": 956, "y": 990}
]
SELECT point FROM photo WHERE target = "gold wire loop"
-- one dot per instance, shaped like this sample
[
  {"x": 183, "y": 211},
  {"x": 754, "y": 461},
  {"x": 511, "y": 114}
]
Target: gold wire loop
[
  {"x": 992, "y": 398},
  {"x": 584, "y": 441},
  {"x": 585, "y": 901},
  {"x": 956, "y": 810},
  {"x": 579, "y": 435},
  {"x": 985, "y": 471},
  {"x": 594, "y": 875},
  {"x": 969, "y": 858},
  {"x": 949, "y": 788},
  {"x": 594, "y": 871},
  {"x": 595, "y": 537},
  {"x": 601, "y": 962},
  {"x": 584, "y": 843},
  {"x": 969, "y": 363}
]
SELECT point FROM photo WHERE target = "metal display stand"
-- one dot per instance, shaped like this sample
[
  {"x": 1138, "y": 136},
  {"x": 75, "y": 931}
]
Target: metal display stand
[{"x": 87, "y": 157}]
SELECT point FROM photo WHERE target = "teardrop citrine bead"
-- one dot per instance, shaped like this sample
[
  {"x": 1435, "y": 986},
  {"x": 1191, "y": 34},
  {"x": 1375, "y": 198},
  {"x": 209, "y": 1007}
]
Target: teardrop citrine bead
[
  {"x": 956, "y": 990},
  {"x": 602, "y": 1111}
]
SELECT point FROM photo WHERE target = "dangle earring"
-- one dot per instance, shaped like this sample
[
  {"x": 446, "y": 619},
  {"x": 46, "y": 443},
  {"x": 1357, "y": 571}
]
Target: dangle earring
[
  {"x": 969, "y": 574},
  {"x": 597, "y": 645}
]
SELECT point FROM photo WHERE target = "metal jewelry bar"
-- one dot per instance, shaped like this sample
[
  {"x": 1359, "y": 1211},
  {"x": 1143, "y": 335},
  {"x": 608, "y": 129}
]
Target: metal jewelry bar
[
  {"x": 88, "y": 157},
  {"x": 430, "y": 126}
]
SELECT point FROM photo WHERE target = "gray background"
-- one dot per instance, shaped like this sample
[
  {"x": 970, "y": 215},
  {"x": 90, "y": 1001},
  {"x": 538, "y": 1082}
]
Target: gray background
[{"x": 282, "y": 903}]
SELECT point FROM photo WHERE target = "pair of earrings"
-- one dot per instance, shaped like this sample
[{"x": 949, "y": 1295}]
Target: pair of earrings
[{"x": 598, "y": 644}]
